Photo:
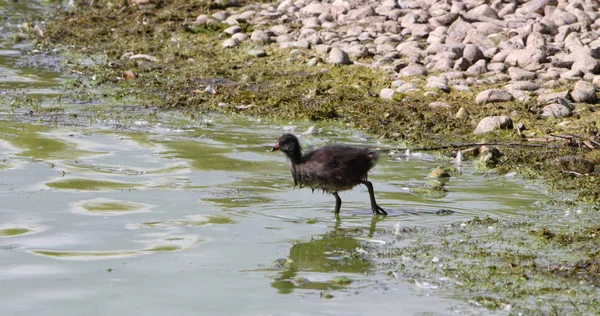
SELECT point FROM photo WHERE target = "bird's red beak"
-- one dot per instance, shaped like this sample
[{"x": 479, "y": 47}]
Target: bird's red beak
[{"x": 275, "y": 148}]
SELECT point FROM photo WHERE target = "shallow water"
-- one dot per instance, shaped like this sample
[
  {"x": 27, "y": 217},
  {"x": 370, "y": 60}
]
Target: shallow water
[{"x": 190, "y": 217}]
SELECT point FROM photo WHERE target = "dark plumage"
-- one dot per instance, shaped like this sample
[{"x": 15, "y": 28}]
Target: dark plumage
[{"x": 331, "y": 168}]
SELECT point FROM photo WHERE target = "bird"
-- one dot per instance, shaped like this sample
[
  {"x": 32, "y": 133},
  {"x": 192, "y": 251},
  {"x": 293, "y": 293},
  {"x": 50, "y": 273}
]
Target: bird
[{"x": 332, "y": 168}]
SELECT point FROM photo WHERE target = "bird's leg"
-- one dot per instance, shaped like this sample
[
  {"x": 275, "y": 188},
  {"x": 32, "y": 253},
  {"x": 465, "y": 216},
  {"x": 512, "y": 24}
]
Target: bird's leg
[
  {"x": 374, "y": 207},
  {"x": 338, "y": 202}
]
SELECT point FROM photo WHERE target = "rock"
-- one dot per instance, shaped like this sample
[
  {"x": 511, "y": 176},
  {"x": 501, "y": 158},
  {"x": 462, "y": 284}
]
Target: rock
[
  {"x": 596, "y": 82},
  {"x": 584, "y": 92},
  {"x": 459, "y": 30},
  {"x": 491, "y": 123},
  {"x": 407, "y": 87},
  {"x": 472, "y": 53},
  {"x": 230, "y": 43},
  {"x": 536, "y": 6},
  {"x": 478, "y": 68},
  {"x": 523, "y": 85},
  {"x": 281, "y": 29},
  {"x": 240, "y": 37},
  {"x": 313, "y": 61},
  {"x": 443, "y": 65},
  {"x": 556, "y": 97},
  {"x": 438, "y": 84},
  {"x": 360, "y": 13},
  {"x": 528, "y": 59},
  {"x": 314, "y": 9},
  {"x": 462, "y": 64},
  {"x": 313, "y": 23},
  {"x": 556, "y": 110},
  {"x": 221, "y": 15},
  {"x": 493, "y": 95},
  {"x": 261, "y": 37},
  {"x": 461, "y": 114},
  {"x": 518, "y": 74},
  {"x": 232, "y": 30},
  {"x": 574, "y": 164},
  {"x": 437, "y": 105},
  {"x": 338, "y": 57},
  {"x": 583, "y": 61},
  {"x": 413, "y": 70},
  {"x": 410, "y": 49},
  {"x": 387, "y": 94},
  {"x": 561, "y": 17},
  {"x": 496, "y": 67},
  {"x": 357, "y": 51},
  {"x": 257, "y": 53}
]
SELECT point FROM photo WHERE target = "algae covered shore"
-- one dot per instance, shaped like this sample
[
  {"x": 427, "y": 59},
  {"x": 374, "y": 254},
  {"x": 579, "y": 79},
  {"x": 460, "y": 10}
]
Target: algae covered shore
[{"x": 275, "y": 60}]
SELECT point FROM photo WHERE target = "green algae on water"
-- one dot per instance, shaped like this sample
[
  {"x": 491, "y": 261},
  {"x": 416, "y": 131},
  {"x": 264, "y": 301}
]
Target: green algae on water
[
  {"x": 90, "y": 184},
  {"x": 9, "y": 232}
]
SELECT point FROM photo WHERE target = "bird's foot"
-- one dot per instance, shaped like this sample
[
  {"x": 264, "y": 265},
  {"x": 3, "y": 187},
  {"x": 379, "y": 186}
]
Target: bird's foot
[{"x": 377, "y": 210}]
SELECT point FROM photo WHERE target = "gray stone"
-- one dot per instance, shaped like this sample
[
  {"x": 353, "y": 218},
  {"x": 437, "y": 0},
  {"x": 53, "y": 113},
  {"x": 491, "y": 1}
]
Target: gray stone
[
  {"x": 438, "y": 84},
  {"x": 561, "y": 97},
  {"x": 453, "y": 47},
  {"x": 360, "y": 13},
  {"x": 439, "y": 105},
  {"x": 493, "y": 95},
  {"x": 561, "y": 17},
  {"x": 491, "y": 123},
  {"x": 357, "y": 50},
  {"x": 523, "y": 86},
  {"x": 230, "y": 43},
  {"x": 314, "y": 9},
  {"x": 584, "y": 92},
  {"x": 259, "y": 36},
  {"x": 407, "y": 87},
  {"x": 496, "y": 67},
  {"x": 518, "y": 74},
  {"x": 240, "y": 36},
  {"x": 410, "y": 49},
  {"x": 281, "y": 29},
  {"x": 472, "y": 53},
  {"x": 556, "y": 110},
  {"x": 528, "y": 59},
  {"x": 339, "y": 57},
  {"x": 221, "y": 15},
  {"x": 232, "y": 30},
  {"x": 462, "y": 64},
  {"x": 387, "y": 94},
  {"x": 535, "y": 40},
  {"x": 536, "y": 6},
  {"x": 459, "y": 30},
  {"x": 574, "y": 74},
  {"x": 413, "y": 70},
  {"x": 583, "y": 61},
  {"x": 478, "y": 68},
  {"x": 313, "y": 23},
  {"x": 257, "y": 53},
  {"x": 443, "y": 65}
]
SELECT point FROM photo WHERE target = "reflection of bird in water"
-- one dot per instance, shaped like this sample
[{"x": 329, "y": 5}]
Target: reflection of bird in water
[
  {"x": 334, "y": 252},
  {"x": 331, "y": 168}
]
